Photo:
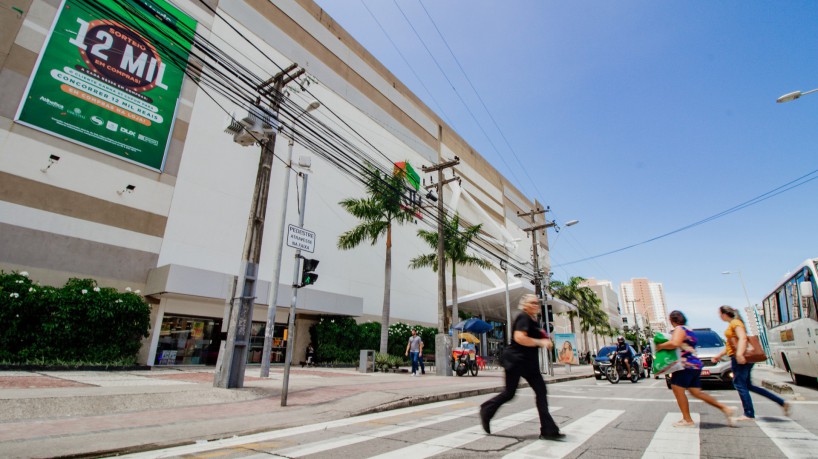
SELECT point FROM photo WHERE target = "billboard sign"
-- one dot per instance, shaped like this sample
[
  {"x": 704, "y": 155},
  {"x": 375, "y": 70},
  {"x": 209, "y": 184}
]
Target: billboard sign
[{"x": 109, "y": 77}]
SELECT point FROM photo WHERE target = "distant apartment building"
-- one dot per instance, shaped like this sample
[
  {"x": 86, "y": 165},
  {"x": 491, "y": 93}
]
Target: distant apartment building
[
  {"x": 609, "y": 302},
  {"x": 644, "y": 302}
]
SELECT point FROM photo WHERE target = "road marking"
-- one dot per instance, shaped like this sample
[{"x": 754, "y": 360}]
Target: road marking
[
  {"x": 272, "y": 435},
  {"x": 577, "y": 433},
  {"x": 792, "y": 439},
  {"x": 628, "y": 399},
  {"x": 674, "y": 442},
  {"x": 351, "y": 439},
  {"x": 453, "y": 440}
]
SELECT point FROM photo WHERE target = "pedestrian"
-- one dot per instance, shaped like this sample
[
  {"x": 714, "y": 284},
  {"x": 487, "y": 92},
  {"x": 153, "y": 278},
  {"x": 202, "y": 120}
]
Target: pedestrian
[
  {"x": 413, "y": 349},
  {"x": 310, "y": 355},
  {"x": 741, "y": 368},
  {"x": 520, "y": 360},
  {"x": 688, "y": 378}
]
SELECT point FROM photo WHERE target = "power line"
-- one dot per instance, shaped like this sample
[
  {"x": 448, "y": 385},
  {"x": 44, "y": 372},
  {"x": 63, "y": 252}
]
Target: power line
[{"x": 760, "y": 198}]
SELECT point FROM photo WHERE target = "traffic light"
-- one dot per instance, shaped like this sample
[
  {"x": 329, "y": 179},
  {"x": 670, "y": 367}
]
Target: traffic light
[{"x": 308, "y": 277}]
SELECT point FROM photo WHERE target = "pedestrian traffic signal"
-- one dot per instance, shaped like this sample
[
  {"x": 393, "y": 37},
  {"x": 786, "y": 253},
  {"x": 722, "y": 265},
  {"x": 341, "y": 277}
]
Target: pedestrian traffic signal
[{"x": 308, "y": 277}]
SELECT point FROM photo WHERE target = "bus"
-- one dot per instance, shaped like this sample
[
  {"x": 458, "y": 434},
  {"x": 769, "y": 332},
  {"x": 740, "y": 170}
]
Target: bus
[{"x": 791, "y": 320}]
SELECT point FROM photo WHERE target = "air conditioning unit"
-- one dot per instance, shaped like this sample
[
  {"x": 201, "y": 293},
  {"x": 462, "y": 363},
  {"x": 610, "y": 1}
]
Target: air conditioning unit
[{"x": 251, "y": 129}]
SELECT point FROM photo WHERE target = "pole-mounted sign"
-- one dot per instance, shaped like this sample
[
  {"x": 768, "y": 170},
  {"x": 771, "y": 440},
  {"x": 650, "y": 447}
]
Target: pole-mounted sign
[{"x": 299, "y": 238}]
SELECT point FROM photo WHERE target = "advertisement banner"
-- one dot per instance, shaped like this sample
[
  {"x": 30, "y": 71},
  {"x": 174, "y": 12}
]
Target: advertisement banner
[
  {"x": 566, "y": 346},
  {"x": 109, "y": 77}
]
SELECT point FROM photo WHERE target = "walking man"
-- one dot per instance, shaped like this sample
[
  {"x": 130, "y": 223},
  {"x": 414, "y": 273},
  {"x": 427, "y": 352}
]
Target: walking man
[{"x": 413, "y": 349}]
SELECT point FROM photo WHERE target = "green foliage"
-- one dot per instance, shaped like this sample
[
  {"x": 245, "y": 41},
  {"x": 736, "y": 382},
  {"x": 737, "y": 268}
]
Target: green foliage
[
  {"x": 341, "y": 339},
  {"x": 78, "y": 322}
]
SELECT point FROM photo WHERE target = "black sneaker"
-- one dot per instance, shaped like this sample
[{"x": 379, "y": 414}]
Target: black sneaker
[
  {"x": 484, "y": 420},
  {"x": 559, "y": 436}
]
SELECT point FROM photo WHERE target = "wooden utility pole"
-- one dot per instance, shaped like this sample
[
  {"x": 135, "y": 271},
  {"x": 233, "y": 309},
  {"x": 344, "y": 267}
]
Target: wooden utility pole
[
  {"x": 441, "y": 349},
  {"x": 545, "y": 310},
  {"x": 233, "y": 356}
]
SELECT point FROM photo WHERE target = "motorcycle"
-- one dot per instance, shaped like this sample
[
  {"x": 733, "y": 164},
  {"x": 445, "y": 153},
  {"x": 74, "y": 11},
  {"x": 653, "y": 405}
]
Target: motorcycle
[
  {"x": 464, "y": 361},
  {"x": 617, "y": 370}
]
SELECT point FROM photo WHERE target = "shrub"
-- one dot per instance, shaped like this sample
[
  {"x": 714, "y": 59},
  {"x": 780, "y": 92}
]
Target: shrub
[
  {"x": 341, "y": 338},
  {"x": 79, "y": 322}
]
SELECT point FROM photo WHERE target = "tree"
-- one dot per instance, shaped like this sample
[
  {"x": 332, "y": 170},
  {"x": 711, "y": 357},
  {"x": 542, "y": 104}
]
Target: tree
[
  {"x": 586, "y": 301},
  {"x": 455, "y": 251},
  {"x": 382, "y": 207}
]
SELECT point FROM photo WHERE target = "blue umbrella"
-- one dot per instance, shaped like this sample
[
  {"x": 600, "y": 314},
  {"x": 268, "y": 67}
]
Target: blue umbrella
[{"x": 473, "y": 325}]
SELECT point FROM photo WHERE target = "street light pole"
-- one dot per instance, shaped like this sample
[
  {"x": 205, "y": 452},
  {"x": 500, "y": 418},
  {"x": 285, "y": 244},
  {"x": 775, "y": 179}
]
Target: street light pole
[
  {"x": 794, "y": 95},
  {"x": 743, "y": 286},
  {"x": 271, "y": 308}
]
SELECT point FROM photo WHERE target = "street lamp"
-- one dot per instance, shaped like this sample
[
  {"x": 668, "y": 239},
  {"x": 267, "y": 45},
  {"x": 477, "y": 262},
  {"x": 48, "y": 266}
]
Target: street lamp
[
  {"x": 742, "y": 284},
  {"x": 793, "y": 95},
  {"x": 271, "y": 308}
]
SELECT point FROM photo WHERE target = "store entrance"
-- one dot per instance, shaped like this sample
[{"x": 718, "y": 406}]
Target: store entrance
[{"x": 185, "y": 340}]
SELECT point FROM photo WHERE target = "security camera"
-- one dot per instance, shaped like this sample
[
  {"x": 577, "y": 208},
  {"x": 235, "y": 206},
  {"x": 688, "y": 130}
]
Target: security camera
[{"x": 431, "y": 195}]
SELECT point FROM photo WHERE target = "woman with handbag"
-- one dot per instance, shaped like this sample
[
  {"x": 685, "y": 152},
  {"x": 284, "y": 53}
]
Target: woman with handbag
[{"x": 736, "y": 348}]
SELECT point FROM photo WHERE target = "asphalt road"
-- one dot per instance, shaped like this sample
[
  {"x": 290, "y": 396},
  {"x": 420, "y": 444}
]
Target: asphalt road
[{"x": 600, "y": 419}]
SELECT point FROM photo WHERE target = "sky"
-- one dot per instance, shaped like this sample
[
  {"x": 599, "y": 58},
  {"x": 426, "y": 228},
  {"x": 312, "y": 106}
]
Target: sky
[{"x": 637, "y": 118}]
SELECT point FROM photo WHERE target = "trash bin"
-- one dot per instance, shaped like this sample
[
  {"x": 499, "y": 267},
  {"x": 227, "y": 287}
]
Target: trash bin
[{"x": 367, "y": 363}]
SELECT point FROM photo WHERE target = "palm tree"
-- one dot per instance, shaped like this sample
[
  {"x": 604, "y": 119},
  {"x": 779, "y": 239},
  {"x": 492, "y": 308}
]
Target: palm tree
[
  {"x": 586, "y": 301},
  {"x": 378, "y": 211},
  {"x": 455, "y": 245}
]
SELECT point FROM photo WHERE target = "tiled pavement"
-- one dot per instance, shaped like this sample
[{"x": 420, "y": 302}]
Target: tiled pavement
[{"x": 48, "y": 414}]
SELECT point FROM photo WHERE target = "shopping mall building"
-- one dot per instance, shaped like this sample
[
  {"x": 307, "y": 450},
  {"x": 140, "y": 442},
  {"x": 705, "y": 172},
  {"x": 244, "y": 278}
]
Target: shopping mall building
[{"x": 116, "y": 167}]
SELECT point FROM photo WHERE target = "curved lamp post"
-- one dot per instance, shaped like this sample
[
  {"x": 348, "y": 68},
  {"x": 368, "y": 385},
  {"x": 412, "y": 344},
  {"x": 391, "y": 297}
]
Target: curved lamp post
[
  {"x": 742, "y": 285},
  {"x": 794, "y": 95}
]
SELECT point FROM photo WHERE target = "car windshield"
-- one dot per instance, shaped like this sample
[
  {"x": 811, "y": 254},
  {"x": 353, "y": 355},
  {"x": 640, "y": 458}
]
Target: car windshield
[
  {"x": 605, "y": 351},
  {"x": 708, "y": 338}
]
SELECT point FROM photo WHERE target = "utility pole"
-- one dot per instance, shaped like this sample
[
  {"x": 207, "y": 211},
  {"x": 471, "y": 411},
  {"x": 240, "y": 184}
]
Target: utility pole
[
  {"x": 233, "y": 356},
  {"x": 442, "y": 368},
  {"x": 545, "y": 310},
  {"x": 635, "y": 324}
]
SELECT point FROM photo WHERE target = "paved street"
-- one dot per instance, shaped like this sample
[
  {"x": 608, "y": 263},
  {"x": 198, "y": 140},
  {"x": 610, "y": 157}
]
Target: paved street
[{"x": 600, "y": 419}]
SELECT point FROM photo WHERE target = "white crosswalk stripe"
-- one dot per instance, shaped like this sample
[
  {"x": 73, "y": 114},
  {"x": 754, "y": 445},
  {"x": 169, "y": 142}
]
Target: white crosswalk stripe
[
  {"x": 346, "y": 440},
  {"x": 674, "y": 442},
  {"x": 792, "y": 439},
  {"x": 456, "y": 439},
  {"x": 577, "y": 433},
  {"x": 283, "y": 433}
]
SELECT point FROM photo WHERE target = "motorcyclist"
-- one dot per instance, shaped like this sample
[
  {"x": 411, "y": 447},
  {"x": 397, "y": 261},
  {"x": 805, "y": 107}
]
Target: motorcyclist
[{"x": 624, "y": 353}]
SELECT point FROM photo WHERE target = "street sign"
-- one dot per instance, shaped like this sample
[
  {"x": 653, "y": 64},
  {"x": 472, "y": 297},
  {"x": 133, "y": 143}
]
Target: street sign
[{"x": 299, "y": 238}]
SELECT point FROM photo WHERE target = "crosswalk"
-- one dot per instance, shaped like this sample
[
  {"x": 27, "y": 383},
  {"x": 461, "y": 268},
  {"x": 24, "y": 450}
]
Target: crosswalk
[{"x": 452, "y": 428}]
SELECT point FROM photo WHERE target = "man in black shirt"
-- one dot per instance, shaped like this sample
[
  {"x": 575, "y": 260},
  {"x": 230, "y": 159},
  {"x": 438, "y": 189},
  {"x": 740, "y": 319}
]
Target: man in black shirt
[{"x": 520, "y": 360}]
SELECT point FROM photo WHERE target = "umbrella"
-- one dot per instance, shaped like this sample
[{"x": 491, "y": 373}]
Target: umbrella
[
  {"x": 469, "y": 337},
  {"x": 473, "y": 325}
]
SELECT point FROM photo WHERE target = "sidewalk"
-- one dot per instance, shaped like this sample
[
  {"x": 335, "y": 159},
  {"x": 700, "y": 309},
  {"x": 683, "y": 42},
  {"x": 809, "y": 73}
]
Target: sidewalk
[{"x": 87, "y": 414}]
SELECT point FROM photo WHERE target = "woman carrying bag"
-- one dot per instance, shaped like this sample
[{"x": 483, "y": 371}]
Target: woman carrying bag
[
  {"x": 688, "y": 378},
  {"x": 736, "y": 347}
]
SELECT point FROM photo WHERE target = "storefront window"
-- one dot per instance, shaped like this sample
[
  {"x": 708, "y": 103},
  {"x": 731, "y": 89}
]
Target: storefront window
[
  {"x": 188, "y": 341},
  {"x": 278, "y": 348}
]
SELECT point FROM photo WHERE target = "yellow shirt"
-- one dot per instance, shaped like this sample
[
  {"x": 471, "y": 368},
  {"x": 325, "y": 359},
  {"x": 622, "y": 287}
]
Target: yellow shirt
[{"x": 731, "y": 333}]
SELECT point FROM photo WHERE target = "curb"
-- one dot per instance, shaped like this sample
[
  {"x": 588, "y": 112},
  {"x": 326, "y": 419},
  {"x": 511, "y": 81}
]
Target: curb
[
  {"x": 779, "y": 387},
  {"x": 422, "y": 400}
]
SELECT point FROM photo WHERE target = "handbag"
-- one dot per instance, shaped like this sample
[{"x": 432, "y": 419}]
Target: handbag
[{"x": 754, "y": 352}]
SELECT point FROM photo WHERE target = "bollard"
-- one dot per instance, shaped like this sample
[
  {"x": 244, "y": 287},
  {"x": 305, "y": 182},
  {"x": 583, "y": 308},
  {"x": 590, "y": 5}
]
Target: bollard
[{"x": 367, "y": 362}]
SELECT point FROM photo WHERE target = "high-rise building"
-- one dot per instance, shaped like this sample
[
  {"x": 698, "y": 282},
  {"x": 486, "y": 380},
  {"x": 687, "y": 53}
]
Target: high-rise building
[
  {"x": 609, "y": 302},
  {"x": 641, "y": 297}
]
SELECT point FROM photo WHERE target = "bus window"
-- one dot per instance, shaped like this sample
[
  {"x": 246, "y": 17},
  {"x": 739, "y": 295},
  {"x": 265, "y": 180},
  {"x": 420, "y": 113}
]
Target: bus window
[
  {"x": 783, "y": 307},
  {"x": 793, "y": 298}
]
